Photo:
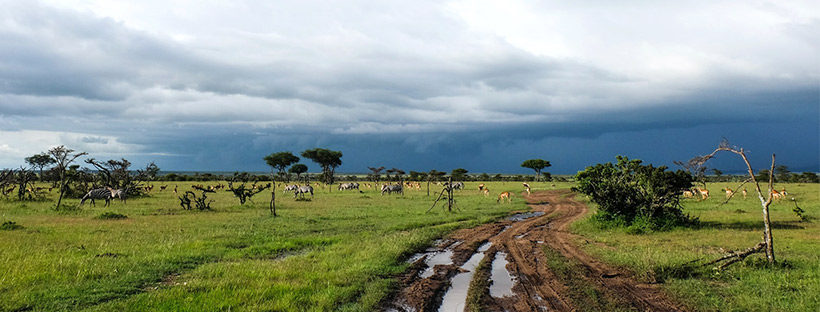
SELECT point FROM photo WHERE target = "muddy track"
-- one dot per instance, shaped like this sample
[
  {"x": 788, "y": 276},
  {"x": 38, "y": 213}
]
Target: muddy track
[{"x": 536, "y": 287}]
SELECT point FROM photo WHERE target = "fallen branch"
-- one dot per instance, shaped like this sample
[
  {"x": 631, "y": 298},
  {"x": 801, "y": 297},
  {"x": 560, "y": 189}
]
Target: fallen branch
[{"x": 735, "y": 257}]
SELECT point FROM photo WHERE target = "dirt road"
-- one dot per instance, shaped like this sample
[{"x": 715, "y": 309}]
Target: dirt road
[{"x": 435, "y": 282}]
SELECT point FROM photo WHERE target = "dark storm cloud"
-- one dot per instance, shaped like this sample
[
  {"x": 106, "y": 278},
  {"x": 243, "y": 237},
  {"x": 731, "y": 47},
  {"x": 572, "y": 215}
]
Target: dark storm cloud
[{"x": 218, "y": 84}]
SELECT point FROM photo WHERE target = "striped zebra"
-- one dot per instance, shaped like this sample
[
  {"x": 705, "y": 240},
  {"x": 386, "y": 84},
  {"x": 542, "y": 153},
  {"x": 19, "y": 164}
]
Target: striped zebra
[
  {"x": 302, "y": 190},
  {"x": 118, "y": 193},
  {"x": 100, "y": 193}
]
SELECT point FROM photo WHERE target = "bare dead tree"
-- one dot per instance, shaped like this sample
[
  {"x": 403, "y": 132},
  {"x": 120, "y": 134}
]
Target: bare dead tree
[
  {"x": 241, "y": 190},
  {"x": 767, "y": 244}
]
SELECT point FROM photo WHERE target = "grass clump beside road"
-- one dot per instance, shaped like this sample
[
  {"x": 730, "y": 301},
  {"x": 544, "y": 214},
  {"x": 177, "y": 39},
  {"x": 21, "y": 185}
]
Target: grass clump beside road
[
  {"x": 341, "y": 251},
  {"x": 670, "y": 256}
]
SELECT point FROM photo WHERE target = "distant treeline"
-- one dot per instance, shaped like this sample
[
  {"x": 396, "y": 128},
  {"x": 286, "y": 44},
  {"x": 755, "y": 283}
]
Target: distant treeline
[{"x": 413, "y": 176}]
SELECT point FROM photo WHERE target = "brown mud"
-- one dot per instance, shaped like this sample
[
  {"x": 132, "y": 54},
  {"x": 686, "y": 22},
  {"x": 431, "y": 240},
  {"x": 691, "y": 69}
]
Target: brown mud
[{"x": 536, "y": 287}]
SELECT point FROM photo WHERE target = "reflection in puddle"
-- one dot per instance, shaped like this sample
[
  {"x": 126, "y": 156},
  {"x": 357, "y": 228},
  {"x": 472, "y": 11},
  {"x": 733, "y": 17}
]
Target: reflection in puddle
[
  {"x": 525, "y": 216},
  {"x": 456, "y": 296},
  {"x": 502, "y": 280}
]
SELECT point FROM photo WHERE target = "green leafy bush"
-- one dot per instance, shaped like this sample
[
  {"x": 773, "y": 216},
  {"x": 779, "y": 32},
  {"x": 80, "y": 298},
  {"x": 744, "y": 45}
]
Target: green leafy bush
[
  {"x": 111, "y": 215},
  {"x": 640, "y": 197},
  {"x": 10, "y": 225}
]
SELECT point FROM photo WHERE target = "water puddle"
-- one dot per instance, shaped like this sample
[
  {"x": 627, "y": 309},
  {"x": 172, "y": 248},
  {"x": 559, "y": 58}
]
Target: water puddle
[
  {"x": 524, "y": 216},
  {"x": 436, "y": 258},
  {"x": 456, "y": 296},
  {"x": 502, "y": 280}
]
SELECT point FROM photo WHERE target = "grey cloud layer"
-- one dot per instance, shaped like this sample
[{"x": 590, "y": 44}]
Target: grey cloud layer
[{"x": 154, "y": 78}]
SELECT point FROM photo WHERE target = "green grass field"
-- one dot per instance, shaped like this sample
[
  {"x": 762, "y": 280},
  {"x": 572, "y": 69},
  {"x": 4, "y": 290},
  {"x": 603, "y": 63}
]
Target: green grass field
[
  {"x": 340, "y": 251},
  {"x": 792, "y": 285}
]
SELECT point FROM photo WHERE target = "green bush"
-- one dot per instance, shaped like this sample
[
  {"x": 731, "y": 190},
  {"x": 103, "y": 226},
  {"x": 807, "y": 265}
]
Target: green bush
[
  {"x": 111, "y": 215},
  {"x": 10, "y": 225},
  {"x": 640, "y": 197}
]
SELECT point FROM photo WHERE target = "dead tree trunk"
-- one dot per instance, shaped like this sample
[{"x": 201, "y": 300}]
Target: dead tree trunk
[{"x": 765, "y": 201}]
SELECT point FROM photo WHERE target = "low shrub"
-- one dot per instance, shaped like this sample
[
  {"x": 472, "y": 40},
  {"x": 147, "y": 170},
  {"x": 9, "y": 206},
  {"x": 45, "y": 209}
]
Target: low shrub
[{"x": 111, "y": 215}]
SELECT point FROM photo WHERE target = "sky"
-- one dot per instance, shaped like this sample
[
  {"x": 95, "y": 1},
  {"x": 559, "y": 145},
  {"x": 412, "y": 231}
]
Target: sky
[{"x": 416, "y": 85}]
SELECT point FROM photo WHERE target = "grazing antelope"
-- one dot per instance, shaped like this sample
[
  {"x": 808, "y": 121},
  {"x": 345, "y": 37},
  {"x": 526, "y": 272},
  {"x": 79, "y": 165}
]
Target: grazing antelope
[
  {"x": 486, "y": 192},
  {"x": 729, "y": 192},
  {"x": 528, "y": 188},
  {"x": 688, "y": 194},
  {"x": 704, "y": 193},
  {"x": 163, "y": 187},
  {"x": 783, "y": 191},
  {"x": 744, "y": 192},
  {"x": 504, "y": 195},
  {"x": 777, "y": 195},
  {"x": 481, "y": 186}
]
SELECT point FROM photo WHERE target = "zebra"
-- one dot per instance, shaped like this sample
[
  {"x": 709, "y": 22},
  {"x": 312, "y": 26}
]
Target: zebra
[
  {"x": 100, "y": 193},
  {"x": 349, "y": 186},
  {"x": 302, "y": 190},
  {"x": 118, "y": 193},
  {"x": 290, "y": 188},
  {"x": 390, "y": 189}
]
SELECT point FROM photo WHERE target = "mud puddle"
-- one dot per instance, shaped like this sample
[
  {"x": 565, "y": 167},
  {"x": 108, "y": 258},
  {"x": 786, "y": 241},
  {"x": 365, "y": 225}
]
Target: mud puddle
[
  {"x": 456, "y": 296},
  {"x": 502, "y": 280},
  {"x": 524, "y": 216}
]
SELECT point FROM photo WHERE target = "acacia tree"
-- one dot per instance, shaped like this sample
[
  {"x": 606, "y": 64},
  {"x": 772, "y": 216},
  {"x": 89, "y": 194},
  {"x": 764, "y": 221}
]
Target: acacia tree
[
  {"x": 459, "y": 174},
  {"x": 327, "y": 159},
  {"x": 376, "y": 174},
  {"x": 537, "y": 165},
  {"x": 40, "y": 161},
  {"x": 398, "y": 173},
  {"x": 298, "y": 170},
  {"x": 281, "y": 161},
  {"x": 63, "y": 157}
]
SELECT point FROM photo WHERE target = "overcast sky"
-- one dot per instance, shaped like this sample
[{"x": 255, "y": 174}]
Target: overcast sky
[{"x": 483, "y": 85}]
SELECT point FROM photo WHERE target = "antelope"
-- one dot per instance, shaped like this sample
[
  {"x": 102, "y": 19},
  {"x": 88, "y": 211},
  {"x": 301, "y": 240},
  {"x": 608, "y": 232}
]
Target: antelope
[
  {"x": 486, "y": 192},
  {"x": 504, "y": 195},
  {"x": 481, "y": 186},
  {"x": 729, "y": 192},
  {"x": 777, "y": 195},
  {"x": 163, "y": 187},
  {"x": 744, "y": 193},
  {"x": 175, "y": 189},
  {"x": 688, "y": 194},
  {"x": 704, "y": 193},
  {"x": 528, "y": 188}
]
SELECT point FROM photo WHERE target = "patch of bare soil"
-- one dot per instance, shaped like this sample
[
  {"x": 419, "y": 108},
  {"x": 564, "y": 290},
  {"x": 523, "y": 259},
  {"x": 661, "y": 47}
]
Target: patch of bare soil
[{"x": 536, "y": 287}]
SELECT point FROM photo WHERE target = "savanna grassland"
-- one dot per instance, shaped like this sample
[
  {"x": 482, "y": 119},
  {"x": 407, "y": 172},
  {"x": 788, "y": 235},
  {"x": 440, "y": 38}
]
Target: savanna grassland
[
  {"x": 339, "y": 251},
  {"x": 752, "y": 285}
]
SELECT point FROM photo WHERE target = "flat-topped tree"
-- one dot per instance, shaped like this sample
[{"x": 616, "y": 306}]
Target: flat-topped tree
[
  {"x": 376, "y": 174},
  {"x": 537, "y": 165},
  {"x": 298, "y": 170},
  {"x": 327, "y": 159},
  {"x": 40, "y": 161},
  {"x": 63, "y": 157},
  {"x": 395, "y": 171},
  {"x": 281, "y": 161},
  {"x": 459, "y": 174}
]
